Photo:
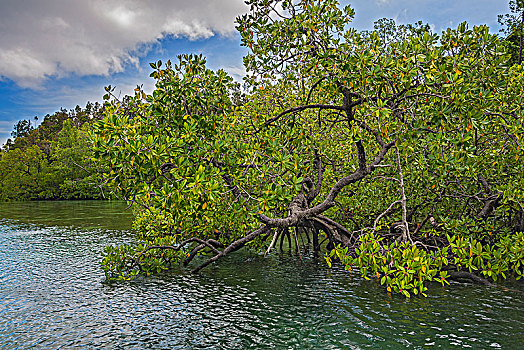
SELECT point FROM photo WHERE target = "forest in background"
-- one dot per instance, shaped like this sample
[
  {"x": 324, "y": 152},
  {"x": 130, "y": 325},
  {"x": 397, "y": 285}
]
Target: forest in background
[{"x": 53, "y": 160}]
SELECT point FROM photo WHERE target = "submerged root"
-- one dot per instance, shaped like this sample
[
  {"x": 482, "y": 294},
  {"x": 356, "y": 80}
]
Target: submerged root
[{"x": 464, "y": 276}]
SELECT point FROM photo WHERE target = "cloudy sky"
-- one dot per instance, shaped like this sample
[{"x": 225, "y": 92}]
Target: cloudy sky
[{"x": 60, "y": 53}]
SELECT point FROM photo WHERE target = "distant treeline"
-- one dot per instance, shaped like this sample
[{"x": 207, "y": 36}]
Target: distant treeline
[{"x": 52, "y": 160}]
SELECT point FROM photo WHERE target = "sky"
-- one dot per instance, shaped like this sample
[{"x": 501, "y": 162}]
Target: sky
[{"x": 61, "y": 53}]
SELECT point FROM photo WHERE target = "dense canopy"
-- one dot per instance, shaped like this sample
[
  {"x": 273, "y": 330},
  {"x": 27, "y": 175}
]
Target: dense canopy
[
  {"x": 395, "y": 150},
  {"x": 52, "y": 160}
]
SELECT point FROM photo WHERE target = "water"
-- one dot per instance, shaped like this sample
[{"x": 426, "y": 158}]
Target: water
[{"x": 53, "y": 295}]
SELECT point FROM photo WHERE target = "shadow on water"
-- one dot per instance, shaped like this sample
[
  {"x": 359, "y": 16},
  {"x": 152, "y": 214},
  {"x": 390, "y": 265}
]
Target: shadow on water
[{"x": 53, "y": 295}]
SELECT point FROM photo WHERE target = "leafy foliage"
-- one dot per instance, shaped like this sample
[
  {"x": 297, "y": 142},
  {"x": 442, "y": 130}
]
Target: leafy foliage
[
  {"x": 400, "y": 146},
  {"x": 405, "y": 268}
]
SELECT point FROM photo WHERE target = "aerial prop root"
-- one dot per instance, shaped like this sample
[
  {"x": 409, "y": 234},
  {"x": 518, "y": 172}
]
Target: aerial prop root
[
  {"x": 236, "y": 245},
  {"x": 337, "y": 234},
  {"x": 210, "y": 243}
]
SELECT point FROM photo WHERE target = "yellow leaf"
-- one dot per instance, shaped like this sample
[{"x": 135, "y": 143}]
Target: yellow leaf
[{"x": 204, "y": 206}]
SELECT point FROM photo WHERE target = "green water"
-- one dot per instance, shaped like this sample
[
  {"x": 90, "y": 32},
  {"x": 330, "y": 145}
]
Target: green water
[{"x": 53, "y": 295}]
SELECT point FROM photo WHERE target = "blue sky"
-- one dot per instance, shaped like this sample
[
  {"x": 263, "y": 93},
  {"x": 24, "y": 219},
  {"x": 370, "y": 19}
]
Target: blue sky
[{"x": 61, "y": 53}]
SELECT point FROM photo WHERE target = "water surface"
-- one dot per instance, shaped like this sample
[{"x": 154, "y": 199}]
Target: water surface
[{"x": 53, "y": 295}]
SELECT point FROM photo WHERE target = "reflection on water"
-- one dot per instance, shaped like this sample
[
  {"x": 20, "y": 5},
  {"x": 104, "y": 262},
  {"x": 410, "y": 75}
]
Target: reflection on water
[
  {"x": 53, "y": 295},
  {"x": 109, "y": 215}
]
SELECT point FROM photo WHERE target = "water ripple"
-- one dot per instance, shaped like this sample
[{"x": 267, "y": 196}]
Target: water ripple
[{"x": 52, "y": 295}]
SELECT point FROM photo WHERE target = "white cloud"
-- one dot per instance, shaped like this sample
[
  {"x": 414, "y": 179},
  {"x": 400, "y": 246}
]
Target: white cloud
[
  {"x": 236, "y": 72},
  {"x": 6, "y": 126},
  {"x": 54, "y": 38}
]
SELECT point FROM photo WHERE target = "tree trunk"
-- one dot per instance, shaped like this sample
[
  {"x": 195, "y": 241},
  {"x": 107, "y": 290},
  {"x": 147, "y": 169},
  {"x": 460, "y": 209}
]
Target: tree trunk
[{"x": 520, "y": 39}]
